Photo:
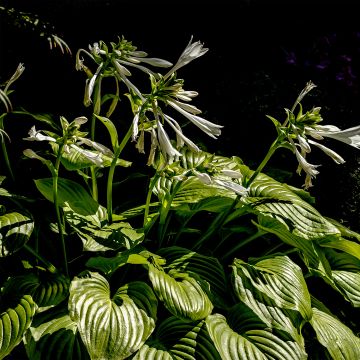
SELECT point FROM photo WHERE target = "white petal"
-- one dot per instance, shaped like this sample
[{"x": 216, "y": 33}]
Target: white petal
[
  {"x": 187, "y": 107},
  {"x": 90, "y": 155},
  {"x": 176, "y": 127},
  {"x": 206, "y": 126},
  {"x": 349, "y": 136},
  {"x": 335, "y": 156},
  {"x": 164, "y": 142},
  {"x": 156, "y": 62},
  {"x": 191, "y": 52},
  {"x": 97, "y": 146},
  {"x": 135, "y": 129},
  {"x": 37, "y": 136},
  {"x": 232, "y": 186},
  {"x": 309, "y": 169},
  {"x": 203, "y": 177},
  {"x": 303, "y": 144}
]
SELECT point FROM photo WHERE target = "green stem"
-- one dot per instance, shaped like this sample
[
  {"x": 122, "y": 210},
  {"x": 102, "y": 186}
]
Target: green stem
[
  {"x": 243, "y": 243},
  {"x": 148, "y": 198},
  {"x": 109, "y": 189},
  {"x": 97, "y": 108},
  {"x": 94, "y": 187},
  {"x": 57, "y": 207},
  {"x": 3, "y": 134},
  {"x": 6, "y": 158},
  {"x": 48, "y": 265},
  {"x": 164, "y": 215},
  {"x": 266, "y": 159}
]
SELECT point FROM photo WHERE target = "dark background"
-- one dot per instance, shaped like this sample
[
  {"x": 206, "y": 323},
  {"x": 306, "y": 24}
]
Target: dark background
[{"x": 261, "y": 55}]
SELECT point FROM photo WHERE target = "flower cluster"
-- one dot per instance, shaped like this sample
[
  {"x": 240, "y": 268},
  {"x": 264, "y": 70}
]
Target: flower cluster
[
  {"x": 72, "y": 140},
  {"x": 303, "y": 129},
  {"x": 166, "y": 90}
]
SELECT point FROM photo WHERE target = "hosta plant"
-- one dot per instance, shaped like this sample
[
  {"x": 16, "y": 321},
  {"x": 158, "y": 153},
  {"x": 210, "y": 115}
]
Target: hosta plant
[{"x": 122, "y": 238}]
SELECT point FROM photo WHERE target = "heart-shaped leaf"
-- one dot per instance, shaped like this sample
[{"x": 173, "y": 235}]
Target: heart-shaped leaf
[{"x": 111, "y": 327}]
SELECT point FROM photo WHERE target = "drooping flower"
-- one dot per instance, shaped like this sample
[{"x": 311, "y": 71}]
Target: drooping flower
[
  {"x": 300, "y": 127},
  {"x": 309, "y": 169},
  {"x": 206, "y": 126},
  {"x": 349, "y": 136}
]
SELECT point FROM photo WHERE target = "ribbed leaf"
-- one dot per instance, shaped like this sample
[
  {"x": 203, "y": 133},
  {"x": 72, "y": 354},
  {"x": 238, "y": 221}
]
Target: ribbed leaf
[
  {"x": 75, "y": 160},
  {"x": 349, "y": 282},
  {"x": 176, "y": 339},
  {"x": 347, "y": 246},
  {"x": 265, "y": 308},
  {"x": 70, "y": 193},
  {"x": 269, "y": 197},
  {"x": 345, "y": 275},
  {"x": 46, "y": 289},
  {"x": 14, "y": 321},
  {"x": 183, "y": 295},
  {"x": 88, "y": 218},
  {"x": 189, "y": 191},
  {"x": 54, "y": 336},
  {"x": 15, "y": 231},
  {"x": 338, "y": 339},
  {"x": 313, "y": 254},
  {"x": 257, "y": 344},
  {"x": 206, "y": 267},
  {"x": 280, "y": 279},
  {"x": 98, "y": 235},
  {"x": 345, "y": 232},
  {"x": 111, "y": 327}
]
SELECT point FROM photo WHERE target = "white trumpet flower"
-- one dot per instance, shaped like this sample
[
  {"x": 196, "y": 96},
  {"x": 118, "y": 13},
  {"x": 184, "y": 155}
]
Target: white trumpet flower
[
  {"x": 349, "y": 136},
  {"x": 206, "y": 126},
  {"x": 35, "y": 135},
  {"x": 191, "y": 52}
]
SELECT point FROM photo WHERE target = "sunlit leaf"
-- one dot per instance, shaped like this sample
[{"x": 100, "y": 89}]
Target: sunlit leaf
[
  {"x": 111, "y": 327},
  {"x": 280, "y": 279},
  {"x": 349, "y": 282},
  {"x": 265, "y": 307},
  {"x": 259, "y": 344},
  {"x": 15, "y": 319},
  {"x": 183, "y": 295},
  {"x": 206, "y": 267},
  {"x": 15, "y": 231},
  {"x": 338, "y": 339},
  {"x": 347, "y": 246},
  {"x": 270, "y": 198},
  {"x": 97, "y": 234}
]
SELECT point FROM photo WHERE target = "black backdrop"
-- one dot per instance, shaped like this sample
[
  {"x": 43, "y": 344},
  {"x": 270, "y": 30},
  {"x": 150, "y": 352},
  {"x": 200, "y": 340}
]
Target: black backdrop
[{"x": 261, "y": 55}]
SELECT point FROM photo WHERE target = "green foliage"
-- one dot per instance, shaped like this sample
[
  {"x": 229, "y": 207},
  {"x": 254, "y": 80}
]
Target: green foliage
[{"x": 191, "y": 256}]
